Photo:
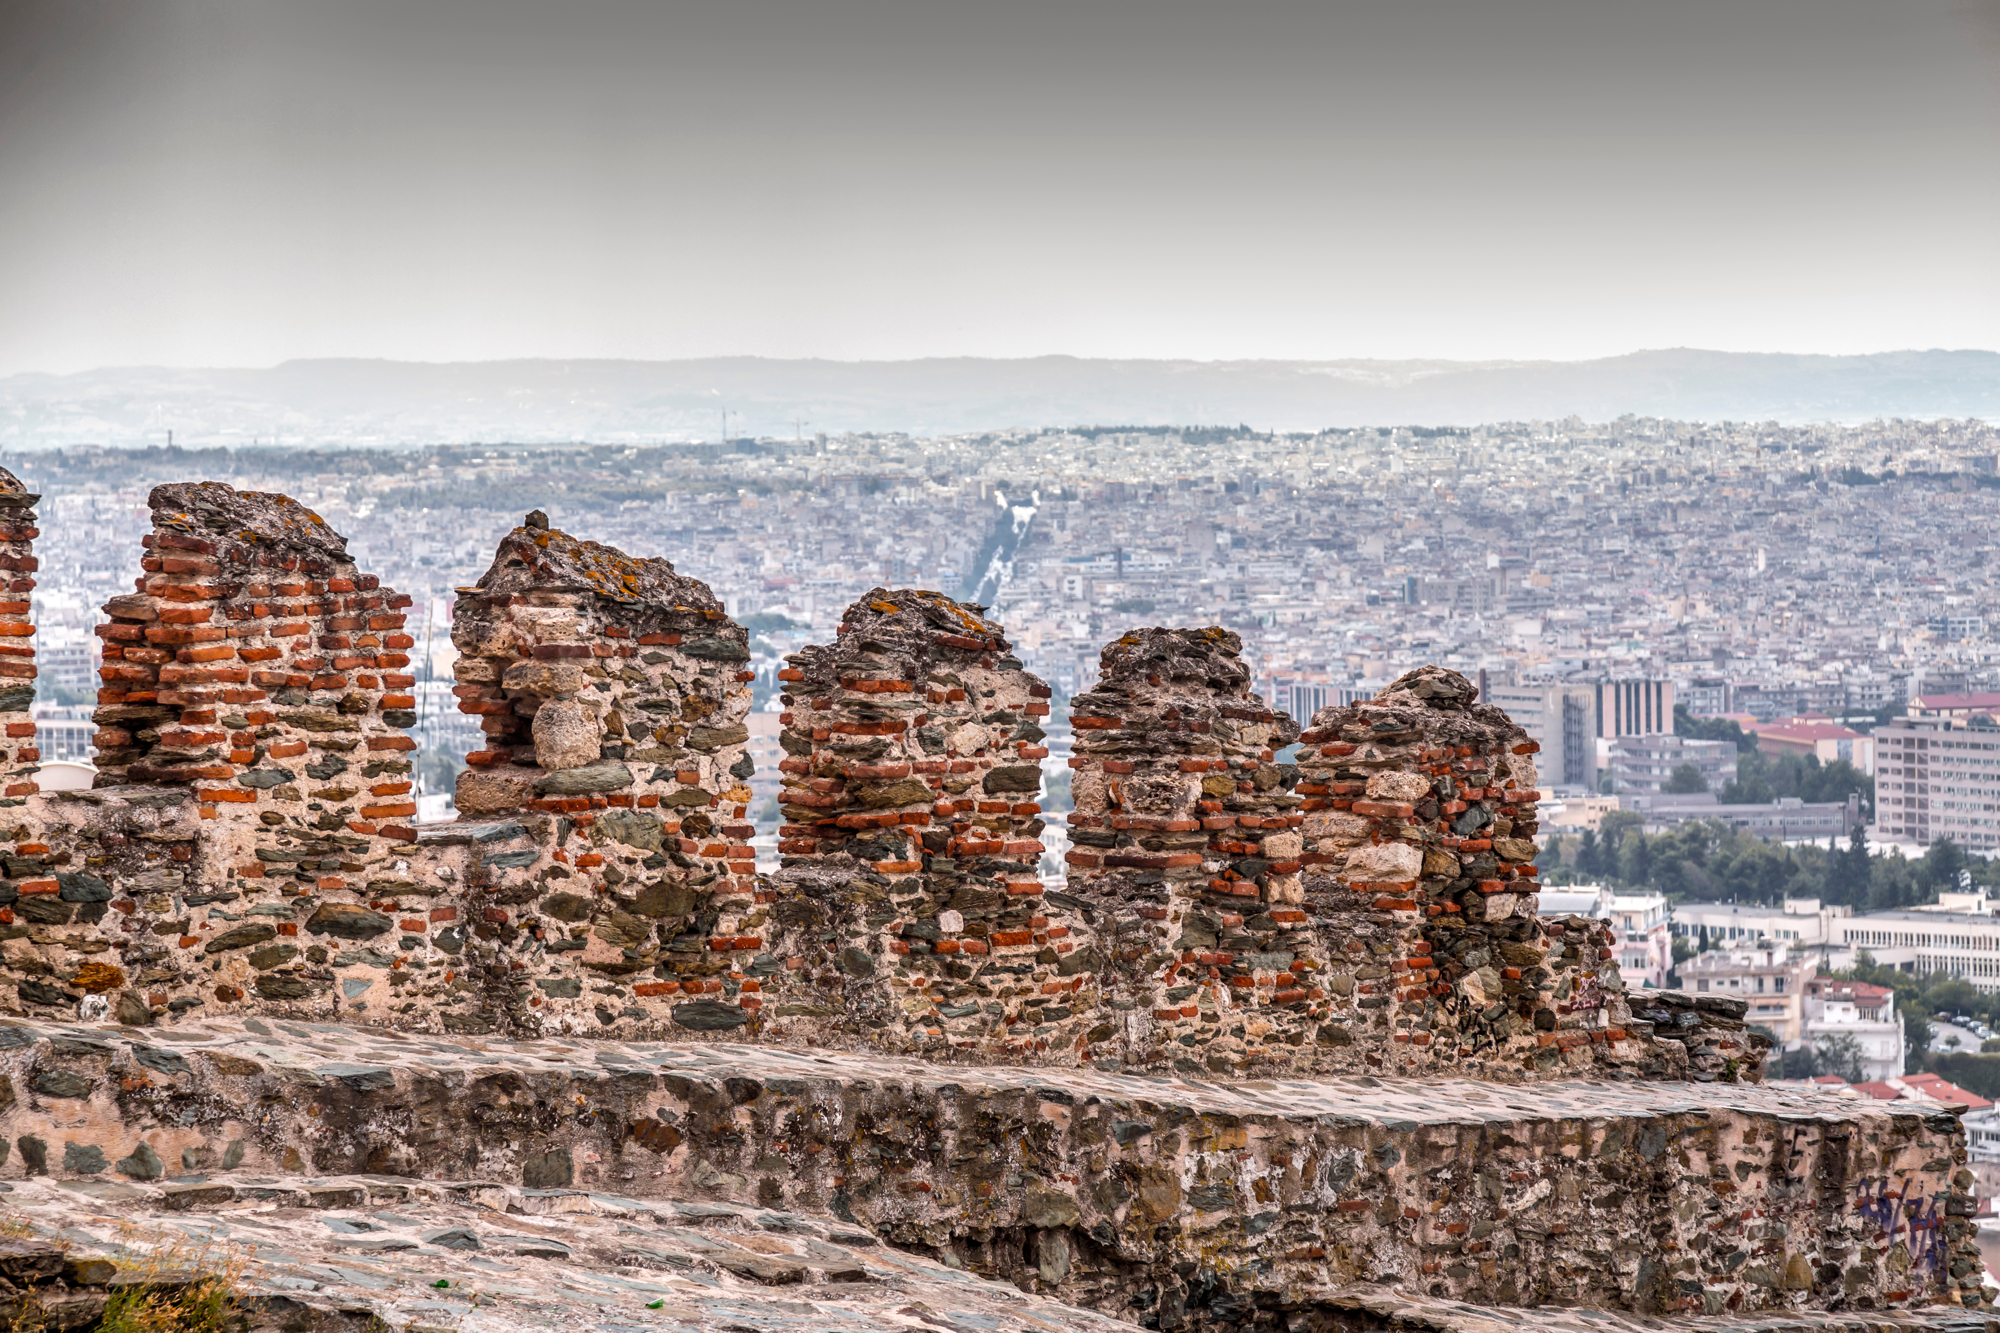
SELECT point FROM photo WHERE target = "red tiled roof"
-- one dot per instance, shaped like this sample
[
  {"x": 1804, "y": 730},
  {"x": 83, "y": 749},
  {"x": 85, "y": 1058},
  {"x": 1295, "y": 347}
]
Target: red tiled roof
[
  {"x": 1933, "y": 1085},
  {"x": 1880, "y": 1091},
  {"x": 1861, "y": 992},
  {"x": 1803, "y": 730},
  {"x": 1829, "y": 1080},
  {"x": 1986, "y": 700}
]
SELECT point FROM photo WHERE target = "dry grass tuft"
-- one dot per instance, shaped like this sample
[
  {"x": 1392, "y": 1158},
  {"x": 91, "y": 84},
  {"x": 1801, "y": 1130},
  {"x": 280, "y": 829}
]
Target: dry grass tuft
[
  {"x": 162, "y": 1284},
  {"x": 175, "y": 1285}
]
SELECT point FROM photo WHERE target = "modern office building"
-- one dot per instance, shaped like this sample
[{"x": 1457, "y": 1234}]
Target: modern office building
[
  {"x": 1635, "y": 707},
  {"x": 1802, "y": 923},
  {"x": 1787, "y": 819},
  {"x": 1562, "y": 717},
  {"x": 1960, "y": 944}
]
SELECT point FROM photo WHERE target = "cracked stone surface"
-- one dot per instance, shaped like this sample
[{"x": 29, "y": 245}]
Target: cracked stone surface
[{"x": 1182, "y": 1203}]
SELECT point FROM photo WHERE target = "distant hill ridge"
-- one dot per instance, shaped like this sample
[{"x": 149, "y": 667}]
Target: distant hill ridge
[{"x": 389, "y": 402}]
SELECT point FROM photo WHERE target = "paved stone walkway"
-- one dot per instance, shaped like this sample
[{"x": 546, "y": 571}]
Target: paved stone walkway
[
  {"x": 485, "y": 1257},
  {"x": 746, "y": 1256}
]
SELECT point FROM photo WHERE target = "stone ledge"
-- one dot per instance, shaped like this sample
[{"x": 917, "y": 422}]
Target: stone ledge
[
  {"x": 1122, "y": 1193},
  {"x": 355, "y": 1252}
]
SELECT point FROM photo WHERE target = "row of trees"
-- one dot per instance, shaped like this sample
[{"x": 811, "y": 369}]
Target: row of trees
[
  {"x": 1763, "y": 778},
  {"x": 1709, "y": 861}
]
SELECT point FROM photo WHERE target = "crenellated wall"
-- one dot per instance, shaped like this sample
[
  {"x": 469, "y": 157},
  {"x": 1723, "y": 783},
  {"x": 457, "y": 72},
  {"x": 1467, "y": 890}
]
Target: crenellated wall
[
  {"x": 257, "y": 668},
  {"x": 1351, "y": 909},
  {"x": 18, "y": 754},
  {"x": 1367, "y": 908},
  {"x": 251, "y": 842},
  {"x": 603, "y": 844},
  {"x": 909, "y": 911}
]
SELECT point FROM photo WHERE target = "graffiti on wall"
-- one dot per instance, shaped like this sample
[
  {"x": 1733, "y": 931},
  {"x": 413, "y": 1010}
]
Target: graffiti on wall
[{"x": 1916, "y": 1220}]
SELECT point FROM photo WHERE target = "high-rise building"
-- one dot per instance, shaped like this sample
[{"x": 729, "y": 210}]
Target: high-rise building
[
  {"x": 1634, "y": 707},
  {"x": 1562, "y": 717},
  {"x": 1939, "y": 777}
]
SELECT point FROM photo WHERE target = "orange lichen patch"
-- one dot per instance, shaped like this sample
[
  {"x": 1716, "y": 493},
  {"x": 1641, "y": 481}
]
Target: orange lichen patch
[
  {"x": 251, "y": 518},
  {"x": 548, "y": 558}
]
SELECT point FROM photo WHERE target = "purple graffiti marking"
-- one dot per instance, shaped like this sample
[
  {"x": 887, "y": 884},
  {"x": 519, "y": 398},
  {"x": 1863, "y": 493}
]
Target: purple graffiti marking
[{"x": 1917, "y": 1221}]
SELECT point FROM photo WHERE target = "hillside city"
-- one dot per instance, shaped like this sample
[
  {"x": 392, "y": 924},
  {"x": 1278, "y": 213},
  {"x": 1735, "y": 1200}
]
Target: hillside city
[
  {"x": 1761, "y": 569},
  {"x": 1762, "y": 661}
]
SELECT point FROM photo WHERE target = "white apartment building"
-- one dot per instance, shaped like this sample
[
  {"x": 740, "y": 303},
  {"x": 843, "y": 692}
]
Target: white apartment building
[
  {"x": 1959, "y": 944},
  {"x": 1641, "y": 924},
  {"x": 1939, "y": 777},
  {"x": 1770, "y": 976},
  {"x": 1802, "y": 923},
  {"x": 1835, "y": 1008}
]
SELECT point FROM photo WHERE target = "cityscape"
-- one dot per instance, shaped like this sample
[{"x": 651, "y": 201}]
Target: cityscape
[
  {"x": 880, "y": 667},
  {"x": 1653, "y": 600}
]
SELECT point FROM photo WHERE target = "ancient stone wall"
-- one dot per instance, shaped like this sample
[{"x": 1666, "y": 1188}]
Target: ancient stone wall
[
  {"x": 1185, "y": 850},
  {"x": 1338, "y": 947},
  {"x": 254, "y": 784},
  {"x": 909, "y": 913},
  {"x": 18, "y": 753},
  {"x": 1170, "y": 1204},
  {"x": 257, "y": 667},
  {"x": 251, "y": 846},
  {"x": 603, "y": 850},
  {"x": 1369, "y": 907}
]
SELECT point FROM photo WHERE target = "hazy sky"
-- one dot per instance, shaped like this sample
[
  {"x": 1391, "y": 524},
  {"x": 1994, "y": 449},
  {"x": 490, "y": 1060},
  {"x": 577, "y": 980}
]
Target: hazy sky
[{"x": 206, "y": 182}]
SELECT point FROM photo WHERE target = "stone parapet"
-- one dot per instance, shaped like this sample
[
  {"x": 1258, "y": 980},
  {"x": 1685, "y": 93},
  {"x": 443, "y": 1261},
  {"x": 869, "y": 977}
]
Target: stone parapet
[
  {"x": 1369, "y": 907},
  {"x": 1291, "y": 1034},
  {"x": 252, "y": 842},
  {"x": 1419, "y": 819},
  {"x": 1186, "y": 848},
  {"x": 612, "y": 691},
  {"x": 18, "y": 566},
  {"x": 1176, "y": 1204},
  {"x": 909, "y": 910},
  {"x": 257, "y": 667}
]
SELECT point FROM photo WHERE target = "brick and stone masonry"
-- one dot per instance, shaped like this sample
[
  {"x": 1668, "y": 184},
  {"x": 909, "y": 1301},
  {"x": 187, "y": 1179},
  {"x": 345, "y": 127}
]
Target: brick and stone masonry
[
  {"x": 1172, "y": 1204},
  {"x": 1368, "y": 908},
  {"x": 908, "y": 909},
  {"x": 1256, "y": 1051},
  {"x": 263, "y": 673},
  {"x": 1186, "y": 852},
  {"x": 613, "y": 692},
  {"x": 18, "y": 754}
]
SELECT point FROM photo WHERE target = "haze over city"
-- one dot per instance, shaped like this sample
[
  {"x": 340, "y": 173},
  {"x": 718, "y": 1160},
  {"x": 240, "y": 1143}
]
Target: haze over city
[{"x": 214, "y": 183}]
